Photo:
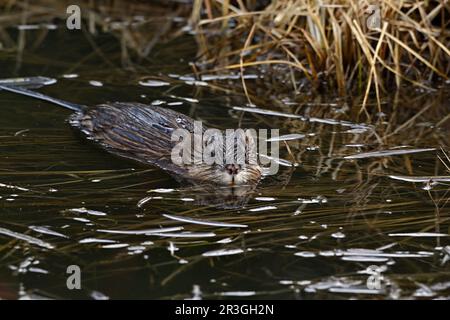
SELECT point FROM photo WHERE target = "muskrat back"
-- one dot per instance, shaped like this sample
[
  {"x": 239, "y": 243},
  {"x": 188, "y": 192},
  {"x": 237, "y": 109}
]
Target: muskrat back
[{"x": 134, "y": 130}]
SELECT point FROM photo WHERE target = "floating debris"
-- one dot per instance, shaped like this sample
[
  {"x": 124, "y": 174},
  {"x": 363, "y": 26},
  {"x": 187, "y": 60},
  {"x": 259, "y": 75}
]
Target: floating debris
[
  {"x": 196, "y": 83},
  {"x": 361, "y": 290},
  {"x": 46, "y": 230},
  {"x": 157, "y": 102},
  {"x": 153, "y": 83},
  {"x": 387, "y": 153},
  {"x": 34, "y": 296},
  {"x": 338, "y": 235},
  {"x": 193, "y": 100},
  {"x": 135, "y": 249},
  {"x": 95, "y": 240},
  {"x": 222, "y": 252},
  {"x": 162, "y": 190},
  {"x": 355, "y": 145},
  {"x": 282, "y": 162},
  {"x": 97, "y": 295},
  {"x": 82, "y": 220},
  {"x": 145, "y": 200},
  {"x": 419, "y": 234},
  {"x": 360, "y": 127},
  {"x": 270, "y": 113},
  {"x": 212, "y": 77},
  {"x": 96, "y": 83},
  {"x": 332, "y": 282},
  {"x": 421, "y": 179},
  {"x": 196, "y": 293},
  {"x": 440, "y": 286},
  {"x": 378, "y": 253},
  {"x": 29, "y": 81},
  {"x": 186, "y": 234},
  {"x": 47, "y": 26},
  {"x": 70, "y": 76},
  {"x": 27, "y": 266},
  {"x": 356, "y": 130},
  {"x": 364, "y": 259},
  {"x": 318, "y": 199},
  {"x": 446, "y": 257},
  {"x": 144, "y": 231},
  {"x": 175, "y": 103},
  {"x": 8, "y": 186},
  {"x": 327, "y": 253},
  {"x": 26, "y": 238},
  {"x": 424, "y": 292},
  {"x": 225, "y": 240},
  {"x": 305, "y": 254},
  {"x": 186, "y": 78},
  {"x": 38, "y": 270},
  {"x": 287, "y": 137},
  {"x": 237, "y": 293},
  {"x": 88, "y": 211},
  {"x": 205, "y": 222},
  {"x": 21, "y": 132},
  {"x": 172, "y": 248},
  {"x": 262, "y": 209},
  {"x": 115, "y": 246},
  {"x": 265, "y": 199},
  {"x": 303, "y": 118}
]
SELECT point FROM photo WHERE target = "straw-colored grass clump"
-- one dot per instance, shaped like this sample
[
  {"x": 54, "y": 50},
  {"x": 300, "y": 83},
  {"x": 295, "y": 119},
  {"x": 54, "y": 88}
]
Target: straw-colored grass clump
[{"x": 365, "y": 45}]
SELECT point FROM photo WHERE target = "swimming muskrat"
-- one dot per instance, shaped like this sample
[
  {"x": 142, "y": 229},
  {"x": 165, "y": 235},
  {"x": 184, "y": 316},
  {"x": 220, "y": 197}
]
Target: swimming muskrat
[{"x": 143, "y": 133}]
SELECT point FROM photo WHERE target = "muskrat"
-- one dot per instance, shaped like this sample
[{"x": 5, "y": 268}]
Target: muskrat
[{"x": 144, "y": 133}]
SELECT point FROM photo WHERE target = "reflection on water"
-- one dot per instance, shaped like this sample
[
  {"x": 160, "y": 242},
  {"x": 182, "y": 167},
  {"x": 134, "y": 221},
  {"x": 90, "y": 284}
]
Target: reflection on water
[{"x": 359, "y": 196}]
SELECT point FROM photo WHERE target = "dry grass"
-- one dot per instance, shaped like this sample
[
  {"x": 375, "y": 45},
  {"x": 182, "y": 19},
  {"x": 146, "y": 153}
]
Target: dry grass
[{"x": 330, "y": 40}]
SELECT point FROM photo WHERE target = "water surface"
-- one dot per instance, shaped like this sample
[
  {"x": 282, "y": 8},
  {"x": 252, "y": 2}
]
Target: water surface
[{"x": 352, "y": 203}]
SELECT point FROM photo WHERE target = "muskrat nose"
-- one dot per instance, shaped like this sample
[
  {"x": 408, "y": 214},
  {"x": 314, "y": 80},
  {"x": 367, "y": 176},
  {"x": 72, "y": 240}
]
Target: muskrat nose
[{"x": 233, "y": 169}]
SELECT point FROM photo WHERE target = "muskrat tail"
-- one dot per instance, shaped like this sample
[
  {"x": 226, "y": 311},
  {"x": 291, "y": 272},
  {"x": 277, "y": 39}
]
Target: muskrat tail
[{"x": 40, "y": 96}]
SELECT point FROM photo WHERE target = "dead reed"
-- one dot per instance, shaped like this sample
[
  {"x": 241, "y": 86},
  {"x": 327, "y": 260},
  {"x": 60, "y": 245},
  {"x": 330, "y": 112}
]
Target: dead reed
[{"x": 369, "y": 46}]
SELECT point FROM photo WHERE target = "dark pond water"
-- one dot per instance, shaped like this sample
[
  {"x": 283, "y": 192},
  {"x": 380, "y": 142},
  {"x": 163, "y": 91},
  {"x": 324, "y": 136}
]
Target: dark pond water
[{"x": 320, "y": 229}]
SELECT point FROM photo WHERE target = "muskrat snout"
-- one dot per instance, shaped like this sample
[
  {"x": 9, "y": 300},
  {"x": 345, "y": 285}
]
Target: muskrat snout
[{"x": 233, "y": 169}]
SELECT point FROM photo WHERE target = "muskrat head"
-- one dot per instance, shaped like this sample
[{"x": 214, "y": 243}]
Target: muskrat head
[
  {"x": 238, "y": 174},
  {"x": 235, "y": 160},
  {"x": 240, "y": 162}
]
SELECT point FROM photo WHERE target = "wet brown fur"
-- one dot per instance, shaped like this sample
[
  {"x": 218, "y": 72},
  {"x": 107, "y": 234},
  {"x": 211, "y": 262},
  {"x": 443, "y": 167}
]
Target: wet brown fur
[{"x": 143, "y": 133}]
